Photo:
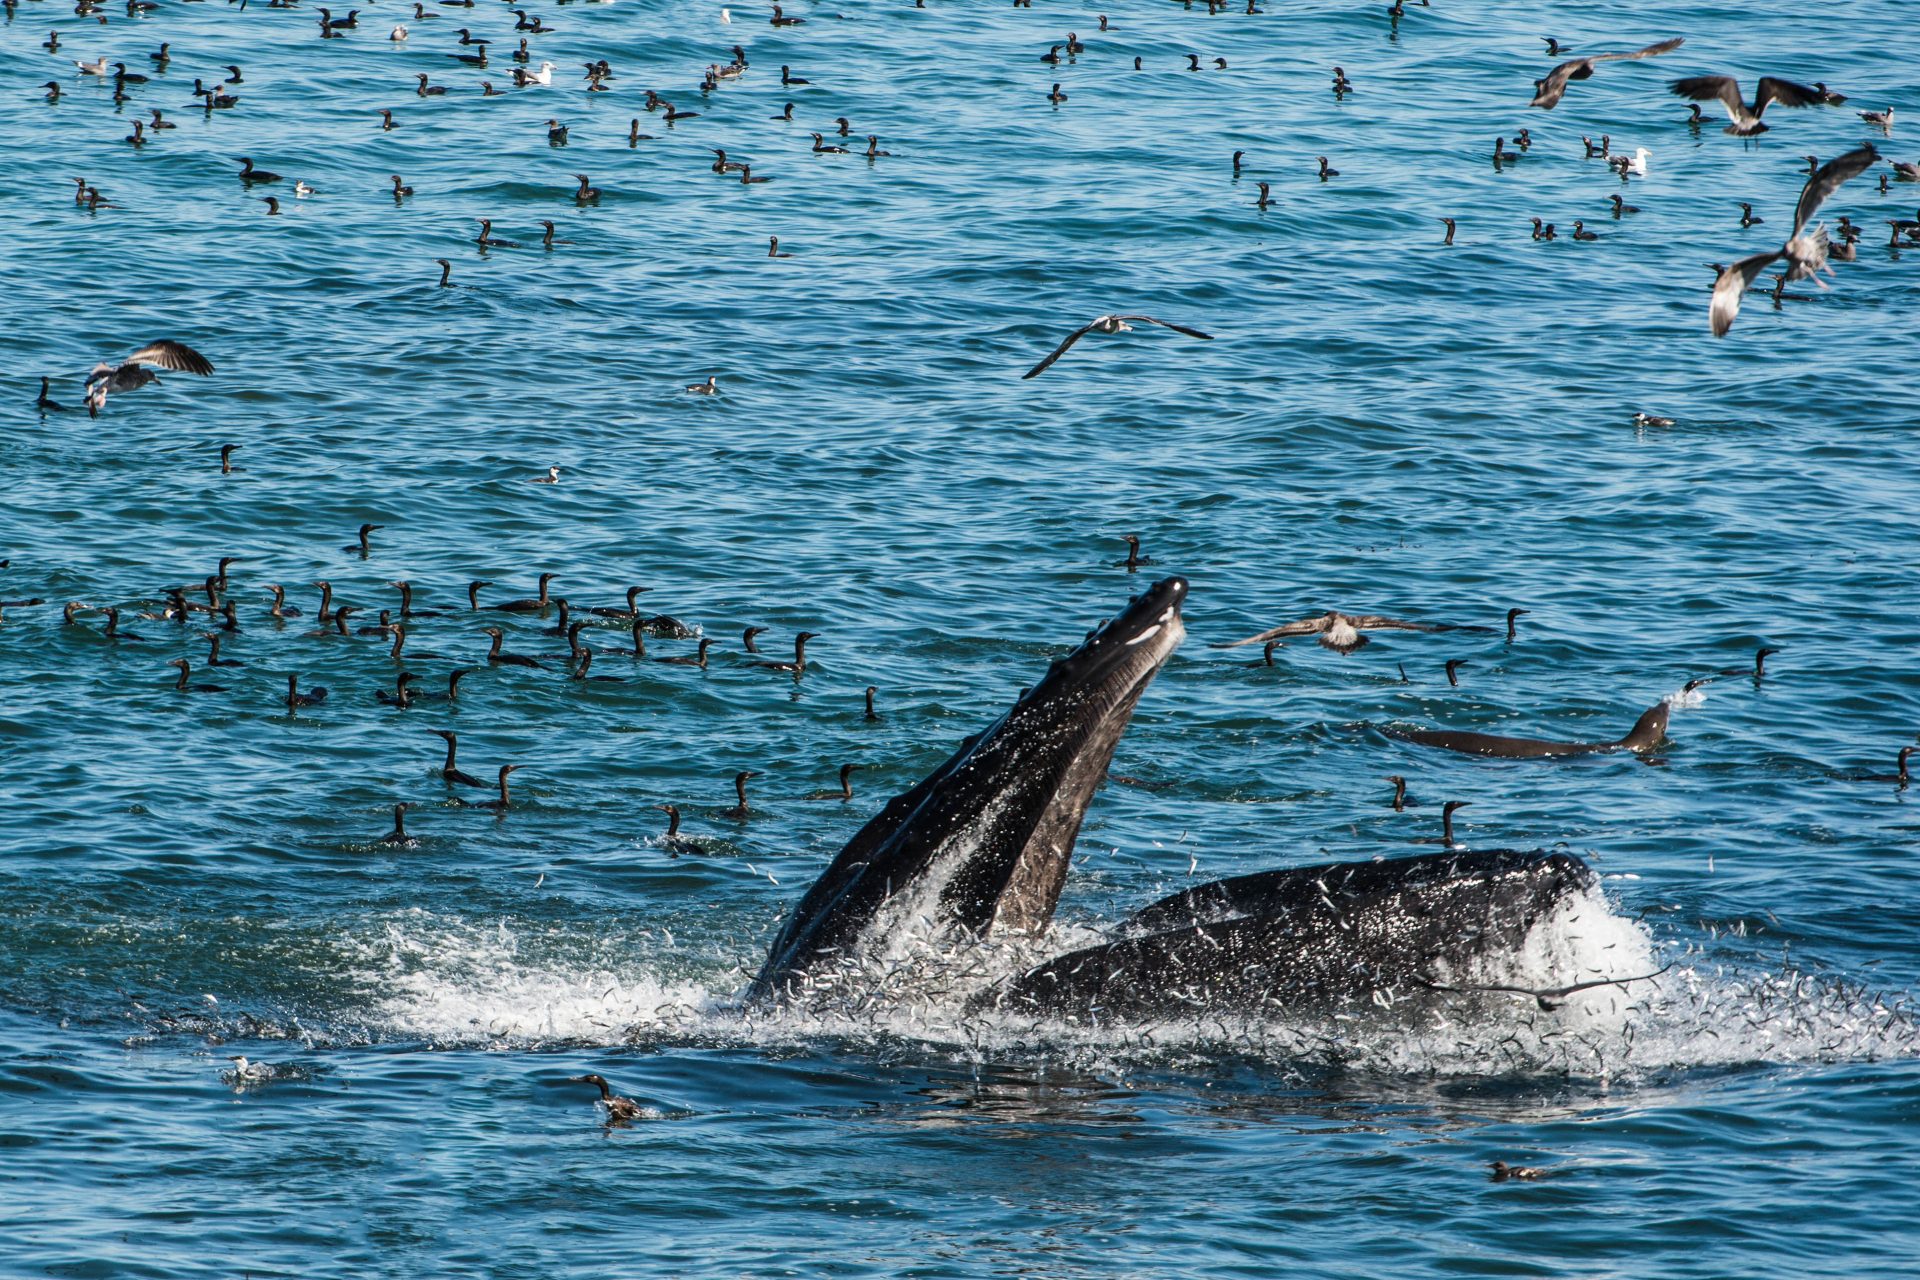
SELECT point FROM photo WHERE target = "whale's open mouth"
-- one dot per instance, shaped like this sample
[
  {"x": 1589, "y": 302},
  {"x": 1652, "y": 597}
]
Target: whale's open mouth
[{"x": 984, "y": 843}]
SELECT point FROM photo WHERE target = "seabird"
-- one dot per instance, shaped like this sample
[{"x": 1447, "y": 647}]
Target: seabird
[
  {"x": 1746, "y": 119},
  {"x": 1902, "y": 776},
  {"x": 1650, "y": 420},
  {"x": 742, "y": 811},
  {"x": 313, "y": 697},
  {"x": 132, "y": 373},
  {"x": 1879, "y": 119},
  {"x": 619, "y": 1110},
  {"x": 1806, "y": 254},
  {"x": 707, "y": 388},
  {"x": 1549, "y": 90},
  {"x": 1504, "y": 1172},
  {"x": 1111, "y": 325},
  {"x": 486, "y": 240},
  {"x": 1341, "y": 632}
]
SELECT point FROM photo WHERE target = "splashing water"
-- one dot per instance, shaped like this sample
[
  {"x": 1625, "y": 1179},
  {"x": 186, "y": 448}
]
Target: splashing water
[{"x": 459, "y": 983}]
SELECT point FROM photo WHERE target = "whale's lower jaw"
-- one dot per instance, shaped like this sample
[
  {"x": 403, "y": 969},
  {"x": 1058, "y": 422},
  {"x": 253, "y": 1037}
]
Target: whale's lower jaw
[
  {"x": 1318, "y": 939},
  {"x": 983, "y": 844}
]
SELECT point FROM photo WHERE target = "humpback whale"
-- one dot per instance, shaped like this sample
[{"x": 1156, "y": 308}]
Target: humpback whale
[
  {"x": 1645, "y": 735},
  {"x": 981, "y": 848},
  {"x": 1309, "y": 938},
  {"x": 984, "y": 842}
]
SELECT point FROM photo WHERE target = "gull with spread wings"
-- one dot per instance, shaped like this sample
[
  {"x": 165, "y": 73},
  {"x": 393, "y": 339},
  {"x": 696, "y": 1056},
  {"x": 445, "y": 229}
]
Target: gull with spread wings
[
  {"x": 1746, "y": 119},
  {"x": 1805, "y": 251},
  {"x": 1549, "y": 91},
  {"x": 135, "y": 371},
  {"x": 1110, "y": 324},
  {"x": 1341, "y": 632}
]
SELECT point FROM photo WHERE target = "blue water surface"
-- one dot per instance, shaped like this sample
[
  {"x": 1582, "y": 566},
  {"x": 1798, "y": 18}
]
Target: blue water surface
[{"x": 1381, "y": 423}]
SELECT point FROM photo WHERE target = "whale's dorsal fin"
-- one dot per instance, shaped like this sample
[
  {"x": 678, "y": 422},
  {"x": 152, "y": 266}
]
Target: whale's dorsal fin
[{"x": 1649, "y": 729}]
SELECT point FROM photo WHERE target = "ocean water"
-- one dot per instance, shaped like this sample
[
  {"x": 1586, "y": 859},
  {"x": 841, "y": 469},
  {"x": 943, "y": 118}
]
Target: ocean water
[{"x": 1380, "y": 423}]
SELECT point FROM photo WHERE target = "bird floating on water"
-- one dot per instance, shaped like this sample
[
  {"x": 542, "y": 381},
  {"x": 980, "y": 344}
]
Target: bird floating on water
[{"x": 620, "y": 1110}]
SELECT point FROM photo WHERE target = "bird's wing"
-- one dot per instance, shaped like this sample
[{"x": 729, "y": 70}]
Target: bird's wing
[
  {"x": 1374, "y": 622},
  {"x": 1708, "y": 88},
  {"x": 168, "y": 354},
  {"x": 1651, "y": 51},
  {"x": 1827, "y": 179},
  {"x": 1304, "y": 627},
  {"x": 1784, "y": 92},
  {"x": 1732, "y": 283},
  {"x": 1553, "y": 87},
  {"x": 1166, "y": 324},
  {"x": 1060, "y": 350}
]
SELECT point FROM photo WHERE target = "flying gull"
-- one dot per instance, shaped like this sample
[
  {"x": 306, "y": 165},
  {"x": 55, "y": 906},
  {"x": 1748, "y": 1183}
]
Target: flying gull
[
  {"x": 1746, "y": 119},
  {"x": 132, "y": 373},
  {"x": 1805, "y": 254},
  {"x": 1550, "y": 90},
  {"x": 1341, "y": 631},
  {"x": 1109, "y": 324}
]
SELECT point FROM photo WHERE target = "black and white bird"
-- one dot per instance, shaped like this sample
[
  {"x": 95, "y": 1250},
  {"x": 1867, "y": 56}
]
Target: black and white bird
[
  {"x": 1109, "y": 325},
  {"x": 1746, "y": 118},
  {"x": 1805, "y": 251},
  {"x": 136, "y": 370},
  {"x": 1553, "y": 86}
]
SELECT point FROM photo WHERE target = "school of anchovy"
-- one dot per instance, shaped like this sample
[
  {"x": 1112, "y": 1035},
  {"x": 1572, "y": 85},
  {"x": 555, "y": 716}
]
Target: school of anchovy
[{"x": 912, "y": 999}]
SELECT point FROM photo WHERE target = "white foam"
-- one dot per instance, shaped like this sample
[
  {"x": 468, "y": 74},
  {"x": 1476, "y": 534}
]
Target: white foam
[{"x": 497, "y": 984}]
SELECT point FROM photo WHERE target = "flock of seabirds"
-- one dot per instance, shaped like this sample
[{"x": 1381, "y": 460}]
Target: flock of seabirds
[{"x": 212, "y": 612}]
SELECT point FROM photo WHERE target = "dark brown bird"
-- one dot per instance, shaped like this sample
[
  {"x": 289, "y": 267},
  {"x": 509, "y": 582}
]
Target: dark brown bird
[
  {"x": 1746, "y": 119},
  {"x": 1553, "y": 86},
  {"x": 620, "y": 1111},
  {"x": 450, "y": 770}
]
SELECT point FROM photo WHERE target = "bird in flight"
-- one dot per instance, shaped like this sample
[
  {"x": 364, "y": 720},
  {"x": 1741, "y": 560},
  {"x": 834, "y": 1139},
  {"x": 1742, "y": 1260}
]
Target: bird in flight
[
  {"x": 1341, "y": 632},
  {"x": 1746, "y": 119},
  {"x": 134, "y": 372},
  {"x": 1549, "y": 91},
  {"x": 1806, "y": 254},
  {"x": 1109, "y": 324}
]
